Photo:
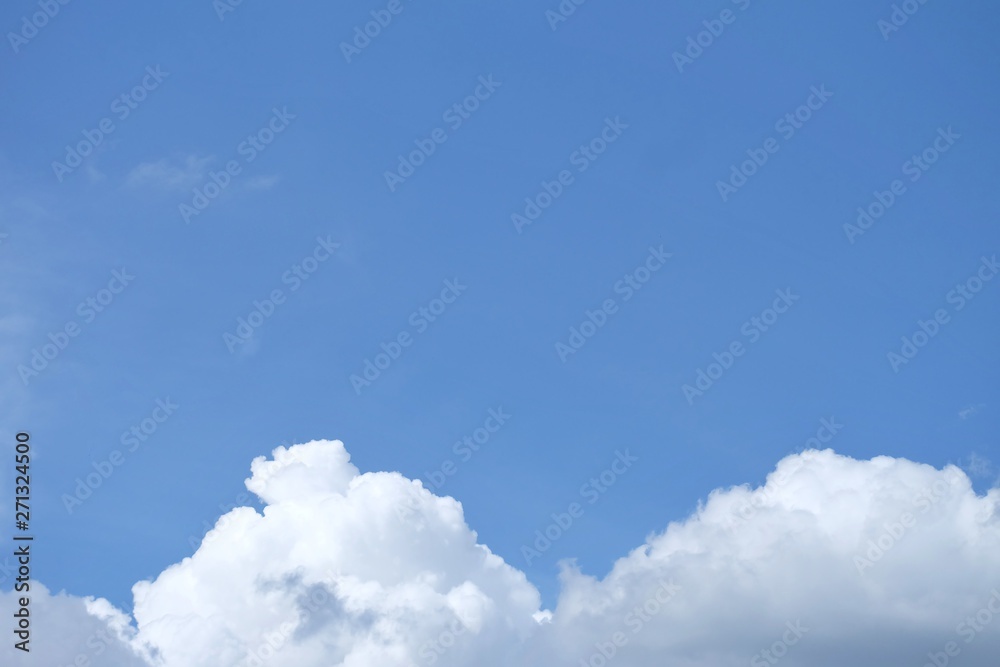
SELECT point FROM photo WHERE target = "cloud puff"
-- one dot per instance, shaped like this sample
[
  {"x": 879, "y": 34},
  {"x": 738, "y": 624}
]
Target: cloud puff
[
  {"x": 170, "y": 174},
  {"x": 832, "y": 561},
  {"x": 330, "y": 574},
  {"x": 970, "y": 411},
  {"x": 67, "y": 630}
]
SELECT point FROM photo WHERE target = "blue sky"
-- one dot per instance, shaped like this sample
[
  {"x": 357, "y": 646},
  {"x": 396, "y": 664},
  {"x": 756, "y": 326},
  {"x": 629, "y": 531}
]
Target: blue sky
[{"x": 655, "y": 186}]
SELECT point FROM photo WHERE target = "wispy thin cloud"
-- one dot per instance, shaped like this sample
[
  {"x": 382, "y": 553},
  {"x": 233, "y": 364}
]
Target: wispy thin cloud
[
  {"x": 970, "y": 411},
  {"x": 170, "y": 174}
]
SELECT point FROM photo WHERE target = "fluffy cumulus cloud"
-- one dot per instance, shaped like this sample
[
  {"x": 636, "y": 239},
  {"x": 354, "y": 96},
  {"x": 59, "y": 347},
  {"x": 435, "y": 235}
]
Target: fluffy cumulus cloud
[
  {"x": 68, "y": 631},
  {"x": 832, "y": 561},
  {"x": 334, "y": 573}
]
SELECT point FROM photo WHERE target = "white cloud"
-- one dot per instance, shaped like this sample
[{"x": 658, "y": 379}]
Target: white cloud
[
  {"x": 978, "y": 466},
  {"x": 355, "y": 585},
  {"x": 171, "y": 174},
  {"x": 833, "y": 561},
  {"x": 880, "y": 560},
  {"x": 970, "y": 411},
  {"x": 64, "y": 628}
]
